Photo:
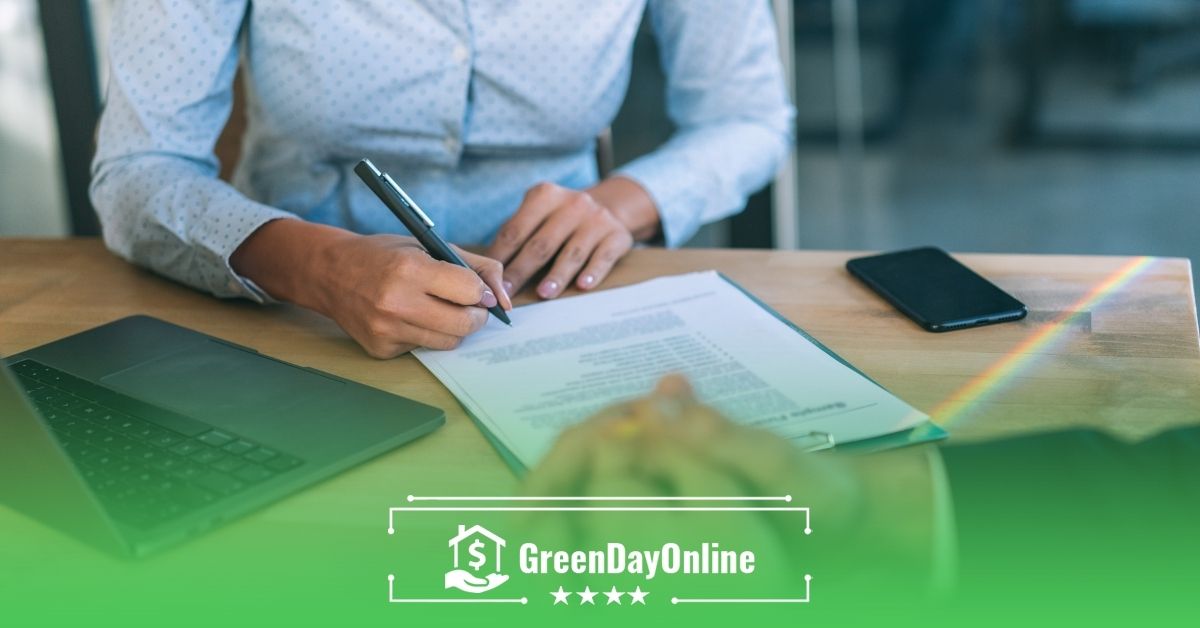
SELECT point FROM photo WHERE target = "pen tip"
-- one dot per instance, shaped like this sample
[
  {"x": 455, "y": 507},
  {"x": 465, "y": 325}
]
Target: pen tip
[{"x": 500, "y": 315}]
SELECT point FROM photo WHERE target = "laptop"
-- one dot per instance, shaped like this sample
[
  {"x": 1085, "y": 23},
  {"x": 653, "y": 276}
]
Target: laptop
[{"x": 139, "y": 434}]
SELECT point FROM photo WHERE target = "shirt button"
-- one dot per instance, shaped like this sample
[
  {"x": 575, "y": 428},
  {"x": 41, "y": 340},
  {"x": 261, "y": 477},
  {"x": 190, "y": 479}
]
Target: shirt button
[
  {"x": 451, "y": 145},
  {"x": 460, "y": 54}
]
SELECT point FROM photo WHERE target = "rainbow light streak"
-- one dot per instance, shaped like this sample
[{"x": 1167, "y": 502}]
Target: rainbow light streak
[{"x": 954, "y": 407}]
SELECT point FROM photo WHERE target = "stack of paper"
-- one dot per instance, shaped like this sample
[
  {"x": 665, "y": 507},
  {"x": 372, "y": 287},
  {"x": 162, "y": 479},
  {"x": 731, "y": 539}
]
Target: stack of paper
[{"x": 563, "y": 360}]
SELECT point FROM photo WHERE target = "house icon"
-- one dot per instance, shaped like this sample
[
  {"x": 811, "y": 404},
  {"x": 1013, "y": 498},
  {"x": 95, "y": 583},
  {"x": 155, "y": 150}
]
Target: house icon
[{"x": 471, "y": 534}]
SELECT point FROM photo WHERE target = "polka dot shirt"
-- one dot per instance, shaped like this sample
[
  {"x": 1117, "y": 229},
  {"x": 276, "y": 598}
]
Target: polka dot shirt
[{"x": 467, "y": 103}]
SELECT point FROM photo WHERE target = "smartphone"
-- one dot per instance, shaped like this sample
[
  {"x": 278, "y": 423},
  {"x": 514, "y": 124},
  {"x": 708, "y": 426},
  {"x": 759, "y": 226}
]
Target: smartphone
[{"x": 935, "y": 290}]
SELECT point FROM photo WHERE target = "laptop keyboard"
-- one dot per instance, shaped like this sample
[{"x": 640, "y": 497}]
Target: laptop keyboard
[{"x": 145, "y": 467}]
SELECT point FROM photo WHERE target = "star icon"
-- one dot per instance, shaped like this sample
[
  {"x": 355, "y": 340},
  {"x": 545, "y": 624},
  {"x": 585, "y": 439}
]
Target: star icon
[
  {"x": 586, "y": 595},
  {"x": 638, "y": 596},
  {"x": 614, "y": 596},
  {"x": 560, "y": 596}
]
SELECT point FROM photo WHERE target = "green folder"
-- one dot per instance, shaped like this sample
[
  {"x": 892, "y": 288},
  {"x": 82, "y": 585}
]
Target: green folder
[
  {"x": 920, "y": 434},
  {"x": 927, "y": 431}
]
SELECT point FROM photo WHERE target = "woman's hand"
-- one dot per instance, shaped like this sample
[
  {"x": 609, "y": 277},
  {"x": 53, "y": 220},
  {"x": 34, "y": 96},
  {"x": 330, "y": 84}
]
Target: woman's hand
[
  {"x": 673, "y": 442},
  {"x": 385, "y": 291},
  {"x": 579, "y": 235},
  {"x": 874, "y": 512},
  {"x": 670, "y": 445}
]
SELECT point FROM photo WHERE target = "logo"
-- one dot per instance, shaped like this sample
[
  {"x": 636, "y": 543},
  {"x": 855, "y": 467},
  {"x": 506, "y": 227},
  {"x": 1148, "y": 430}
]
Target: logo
[
  {"x": 473, "y": 547},
  {"x": 656, "y": 561}
]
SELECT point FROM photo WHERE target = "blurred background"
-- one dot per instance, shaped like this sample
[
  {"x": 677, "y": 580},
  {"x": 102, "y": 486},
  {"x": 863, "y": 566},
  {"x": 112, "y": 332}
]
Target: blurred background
[{"x": 1055, "y": 126}]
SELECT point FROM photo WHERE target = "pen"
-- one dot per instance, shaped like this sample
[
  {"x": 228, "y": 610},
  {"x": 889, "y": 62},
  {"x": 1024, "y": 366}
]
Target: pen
[{"x": 414, "y": 220}]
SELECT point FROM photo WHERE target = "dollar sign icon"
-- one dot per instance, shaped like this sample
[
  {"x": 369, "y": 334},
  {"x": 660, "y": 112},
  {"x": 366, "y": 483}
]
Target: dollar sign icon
[{"x": 475, "y": 550}]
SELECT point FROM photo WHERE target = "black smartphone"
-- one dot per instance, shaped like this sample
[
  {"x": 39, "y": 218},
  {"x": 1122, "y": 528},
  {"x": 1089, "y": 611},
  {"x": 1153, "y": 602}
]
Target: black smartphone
[{"x": 935, "y": 290}]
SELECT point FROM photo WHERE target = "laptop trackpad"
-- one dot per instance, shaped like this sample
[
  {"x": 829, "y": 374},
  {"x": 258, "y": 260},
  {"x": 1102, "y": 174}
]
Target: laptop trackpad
[{"x": 212, "y": 380}]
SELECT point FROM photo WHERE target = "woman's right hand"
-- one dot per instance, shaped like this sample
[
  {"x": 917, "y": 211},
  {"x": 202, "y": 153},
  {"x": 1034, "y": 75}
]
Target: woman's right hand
[{"x": 385, "y": 291}]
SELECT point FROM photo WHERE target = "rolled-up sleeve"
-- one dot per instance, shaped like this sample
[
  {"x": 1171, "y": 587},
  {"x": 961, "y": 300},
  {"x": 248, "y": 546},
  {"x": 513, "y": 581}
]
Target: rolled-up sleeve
[
  {"x": 726, "y": 96},
  {"x": 154, "y": 178}
]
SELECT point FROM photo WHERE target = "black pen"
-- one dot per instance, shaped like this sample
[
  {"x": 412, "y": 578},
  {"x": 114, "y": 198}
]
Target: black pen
[{"x": 414, "y": 220}]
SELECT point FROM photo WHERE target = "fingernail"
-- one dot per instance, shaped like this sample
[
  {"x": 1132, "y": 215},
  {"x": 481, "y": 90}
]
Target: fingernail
[
  {"x": 489, "y": 299},
  {"x": 548, "y": 289},
  {"x": 507, "y": 285},
  {"x": 586, "y": 281}
]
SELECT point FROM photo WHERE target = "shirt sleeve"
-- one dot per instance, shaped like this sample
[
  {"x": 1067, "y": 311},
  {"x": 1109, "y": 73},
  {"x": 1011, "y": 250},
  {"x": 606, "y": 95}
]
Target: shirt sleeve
[
  {"x": 154, "y": 177},
  {"x": 726, "y": 96}
]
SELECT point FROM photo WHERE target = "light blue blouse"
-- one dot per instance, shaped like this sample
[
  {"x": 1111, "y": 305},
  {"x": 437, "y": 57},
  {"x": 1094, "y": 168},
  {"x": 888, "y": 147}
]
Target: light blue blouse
[{"x": 466, "y": 102}]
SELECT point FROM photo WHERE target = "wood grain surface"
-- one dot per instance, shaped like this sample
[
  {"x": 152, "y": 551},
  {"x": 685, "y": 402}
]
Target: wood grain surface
[{"x": 1129, "y": 363}]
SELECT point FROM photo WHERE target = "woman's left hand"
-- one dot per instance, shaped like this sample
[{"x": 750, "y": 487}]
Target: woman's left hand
[{"x": 569, "y": 230}]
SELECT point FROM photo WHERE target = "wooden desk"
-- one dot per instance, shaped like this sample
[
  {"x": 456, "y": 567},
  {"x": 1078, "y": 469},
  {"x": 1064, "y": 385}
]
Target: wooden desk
[{"x": 1129, "y": 363}]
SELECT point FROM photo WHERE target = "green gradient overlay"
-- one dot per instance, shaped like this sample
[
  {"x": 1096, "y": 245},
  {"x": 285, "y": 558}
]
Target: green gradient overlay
[{"x": 1095, "y": 543}]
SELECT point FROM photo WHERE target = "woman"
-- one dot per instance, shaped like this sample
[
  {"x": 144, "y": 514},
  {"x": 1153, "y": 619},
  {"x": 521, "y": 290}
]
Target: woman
[{"x": 484, "y": 110}]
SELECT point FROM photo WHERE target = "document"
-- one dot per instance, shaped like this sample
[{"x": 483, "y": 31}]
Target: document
[{"x": 562, "y": 361}]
